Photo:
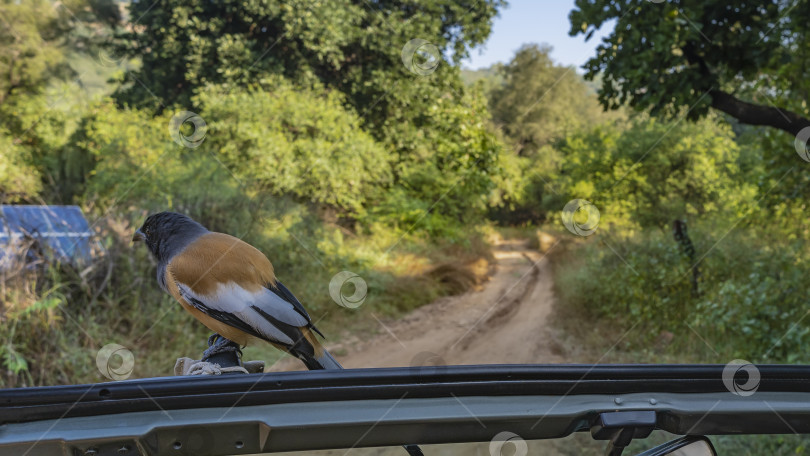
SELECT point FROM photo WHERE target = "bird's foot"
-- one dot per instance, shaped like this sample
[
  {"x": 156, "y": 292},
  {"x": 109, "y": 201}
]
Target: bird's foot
[{"x": 218, "y": 345}]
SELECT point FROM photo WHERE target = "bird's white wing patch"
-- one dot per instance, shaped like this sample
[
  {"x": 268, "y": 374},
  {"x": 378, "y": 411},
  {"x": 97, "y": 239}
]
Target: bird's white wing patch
[
  {"x": 279, "y": 308},
  {"x": 241, "y": 304}
]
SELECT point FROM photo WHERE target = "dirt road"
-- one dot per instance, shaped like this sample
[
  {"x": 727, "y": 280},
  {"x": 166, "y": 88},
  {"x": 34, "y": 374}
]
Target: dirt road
[{"x": 504, "y": 322}]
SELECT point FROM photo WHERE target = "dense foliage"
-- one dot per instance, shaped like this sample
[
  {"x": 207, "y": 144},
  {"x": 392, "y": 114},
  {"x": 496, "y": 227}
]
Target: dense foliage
[
  {"x": 358, "y": 57},
  {"x": 539, "y": 102},
  {"x": 535, "y": 104},
  {"x": 185, "y": 45},
  {"x": 749, "y": 59},
  {"x": 739, "y": 288},
  {"x": 633, "y": 182},
  {"x": 740, "y": 190}
]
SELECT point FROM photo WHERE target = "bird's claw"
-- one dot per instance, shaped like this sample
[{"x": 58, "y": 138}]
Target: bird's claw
[
  {"x": 214, "y": 338},
  {"x": 218, "y": 344}
]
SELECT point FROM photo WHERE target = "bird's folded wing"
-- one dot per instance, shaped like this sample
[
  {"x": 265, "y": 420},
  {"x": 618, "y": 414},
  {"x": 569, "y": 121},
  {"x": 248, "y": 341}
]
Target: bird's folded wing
[{"x": 262, "y": 314}]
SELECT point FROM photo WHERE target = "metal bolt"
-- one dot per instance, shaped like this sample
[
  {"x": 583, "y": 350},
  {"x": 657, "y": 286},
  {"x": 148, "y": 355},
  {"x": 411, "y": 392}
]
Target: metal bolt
[
  {"x": 653, "y": 401},
  {"x": 124, "y": 449},
  {"x": 618, "y": 400},
  {"x": 90, "y": 452}
]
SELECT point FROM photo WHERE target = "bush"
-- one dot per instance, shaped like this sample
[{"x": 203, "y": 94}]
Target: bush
[
  {"x": 654, "y": 172},
  {"x": 751, "y": 286},
  {"x": 18, "y": 179},
  {"x": 292, "y": 141}
]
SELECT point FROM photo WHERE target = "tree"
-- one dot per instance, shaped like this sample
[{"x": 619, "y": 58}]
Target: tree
[
  {"x": 302, "y": 143},
  {"x": 40, "y": 42},
  {"x": 536, "y": 103},
  {"x": 698, "y": 175},
  {"x": 405, "y": 95},
  {"x": 540, "y": 102},
  {"x": 354, "y": 46},
  {"x": 749, "y": 60},
  {"x": 34, "y": 36}
]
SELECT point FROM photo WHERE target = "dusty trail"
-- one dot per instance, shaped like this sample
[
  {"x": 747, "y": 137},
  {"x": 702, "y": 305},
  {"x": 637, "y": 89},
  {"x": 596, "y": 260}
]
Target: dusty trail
[{"x": 505, "y": 322}]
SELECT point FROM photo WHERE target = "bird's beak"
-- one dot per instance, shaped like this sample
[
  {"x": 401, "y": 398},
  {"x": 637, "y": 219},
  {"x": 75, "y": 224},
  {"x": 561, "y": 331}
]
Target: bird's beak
[{"x": 138, "y": 236}]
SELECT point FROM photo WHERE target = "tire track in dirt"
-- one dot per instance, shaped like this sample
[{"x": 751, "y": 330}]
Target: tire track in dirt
[{"x": 502, "y": 312}]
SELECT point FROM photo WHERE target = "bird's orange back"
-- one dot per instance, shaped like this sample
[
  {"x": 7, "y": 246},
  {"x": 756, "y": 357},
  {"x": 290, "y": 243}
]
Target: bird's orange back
[{"x": 216, "y": 258}]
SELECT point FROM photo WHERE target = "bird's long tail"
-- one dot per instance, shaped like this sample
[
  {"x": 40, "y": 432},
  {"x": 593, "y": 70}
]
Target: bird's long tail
[{"x": 322, "y": 360}]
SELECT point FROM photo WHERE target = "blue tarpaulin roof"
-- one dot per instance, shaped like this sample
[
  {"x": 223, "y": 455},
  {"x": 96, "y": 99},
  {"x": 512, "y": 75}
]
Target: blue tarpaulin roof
[{"x": 61, "y": 230}]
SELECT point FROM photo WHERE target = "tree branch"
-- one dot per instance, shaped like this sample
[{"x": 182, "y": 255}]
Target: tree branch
[
  {"x": 754, "y": 114},
  {"x": 745, "y": 112}
]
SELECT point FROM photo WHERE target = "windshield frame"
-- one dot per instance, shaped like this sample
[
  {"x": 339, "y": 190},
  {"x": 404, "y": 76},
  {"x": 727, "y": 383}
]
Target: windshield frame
[{"x": 394, "y": 406}]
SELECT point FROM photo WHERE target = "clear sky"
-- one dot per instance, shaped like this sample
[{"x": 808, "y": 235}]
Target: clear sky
[{"x": 535, "y": 21}]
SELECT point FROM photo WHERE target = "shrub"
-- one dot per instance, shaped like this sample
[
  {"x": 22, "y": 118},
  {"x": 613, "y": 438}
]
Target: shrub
[{"x": 752, "y": 288}]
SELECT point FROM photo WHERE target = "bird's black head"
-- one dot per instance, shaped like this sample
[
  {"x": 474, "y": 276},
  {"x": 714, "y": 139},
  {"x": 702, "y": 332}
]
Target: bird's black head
[{"x": 168, "y": 233}]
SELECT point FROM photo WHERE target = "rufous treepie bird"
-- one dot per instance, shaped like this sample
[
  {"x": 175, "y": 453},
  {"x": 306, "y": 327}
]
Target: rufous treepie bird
[{"x": 230, "y": 286}]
